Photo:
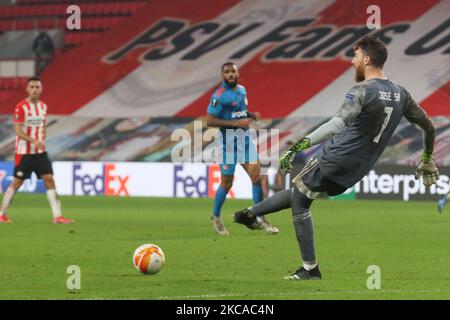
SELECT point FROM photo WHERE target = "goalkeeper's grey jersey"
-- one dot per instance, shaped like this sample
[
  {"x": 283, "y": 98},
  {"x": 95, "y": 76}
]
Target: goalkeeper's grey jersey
[{"x": 371, "y": 111}]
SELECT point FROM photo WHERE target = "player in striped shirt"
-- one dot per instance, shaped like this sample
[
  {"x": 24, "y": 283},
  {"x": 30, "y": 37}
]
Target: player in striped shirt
[{"x": 29, "y": 123}]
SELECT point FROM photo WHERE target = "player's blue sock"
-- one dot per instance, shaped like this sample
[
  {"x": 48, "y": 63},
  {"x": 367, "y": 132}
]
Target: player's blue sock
[
  {"x": 257, "y": 193},
  {"x": 219, "y": 199}
]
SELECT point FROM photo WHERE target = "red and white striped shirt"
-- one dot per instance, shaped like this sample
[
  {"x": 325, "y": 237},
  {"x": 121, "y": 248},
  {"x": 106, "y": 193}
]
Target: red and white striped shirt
[{"x": 33, "y": 117}]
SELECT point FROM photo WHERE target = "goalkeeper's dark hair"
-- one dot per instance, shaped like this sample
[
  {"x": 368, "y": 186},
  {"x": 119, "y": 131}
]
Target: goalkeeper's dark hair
[
  {"x": 226, "y": 64},
  {"x": 373, "y": 48},
  {"x": 35, "y": 78}
]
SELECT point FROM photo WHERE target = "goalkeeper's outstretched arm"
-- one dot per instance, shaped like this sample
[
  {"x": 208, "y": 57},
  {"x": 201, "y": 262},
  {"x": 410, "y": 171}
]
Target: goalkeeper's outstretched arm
[
  {"x": 427, "y": 169},
  {"x": 415, "y": 114},
  {"x": 326, "y": 131},
  {"x": 345, "y": 116},
  {"x": 323, "y": 133}
]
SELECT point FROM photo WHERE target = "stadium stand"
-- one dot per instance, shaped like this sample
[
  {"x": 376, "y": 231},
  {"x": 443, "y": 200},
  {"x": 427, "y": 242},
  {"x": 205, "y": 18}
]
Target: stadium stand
[
  {"x": 291, "y": 60},
  {"x": 98, "y": 17}
]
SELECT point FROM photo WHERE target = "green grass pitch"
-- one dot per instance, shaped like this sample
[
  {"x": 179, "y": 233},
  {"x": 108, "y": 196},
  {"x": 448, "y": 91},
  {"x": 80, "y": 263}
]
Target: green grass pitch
[{"x": 408, "y": 241}]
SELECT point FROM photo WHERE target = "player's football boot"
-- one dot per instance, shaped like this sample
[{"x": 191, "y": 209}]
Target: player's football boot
[
  {"x": 265, "y": 225},
  {"x": 219, "y": 227},
  {"x": 442, "y": 202},
  {"x": 303, "y": 274},
  {"x": 248, "y": 219},
  {"x": 62, "y": 220},
  {"x": 5, "y": 219}
]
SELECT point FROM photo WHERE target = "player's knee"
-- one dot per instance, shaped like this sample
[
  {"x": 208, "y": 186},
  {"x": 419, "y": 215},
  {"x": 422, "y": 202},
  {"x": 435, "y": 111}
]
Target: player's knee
[
  {"x": 256, "y": 179},
  {"x": 49, "y": 182},
  {"x": 301, "y": 214},
  {"x": 226, "y": 185},
  {"x": 47, "y": 179},
  {"x": 300, "y": 205},
  {"x": 17, "y": 183}
]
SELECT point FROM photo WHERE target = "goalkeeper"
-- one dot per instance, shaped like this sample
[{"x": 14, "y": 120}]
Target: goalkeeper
[{"x": 357, "y": 135}]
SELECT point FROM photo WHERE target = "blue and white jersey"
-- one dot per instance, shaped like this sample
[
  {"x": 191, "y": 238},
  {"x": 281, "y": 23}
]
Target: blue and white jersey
[{"x": 229, "y": 103}]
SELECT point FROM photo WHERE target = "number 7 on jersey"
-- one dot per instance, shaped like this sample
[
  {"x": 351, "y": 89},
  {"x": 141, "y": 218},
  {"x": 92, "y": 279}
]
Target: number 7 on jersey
[{"x": 388, "y": 111}]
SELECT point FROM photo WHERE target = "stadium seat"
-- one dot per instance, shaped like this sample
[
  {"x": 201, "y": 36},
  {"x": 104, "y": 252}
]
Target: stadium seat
[
  {"x": 12, "y": 83},
  {"x": 58, "y": 8},
  {"x": 98, "y": 16},
  {"x": 5, "y": 94}
]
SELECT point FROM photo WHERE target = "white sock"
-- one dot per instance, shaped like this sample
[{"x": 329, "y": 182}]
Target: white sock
[
  {"x": 8, "y": 196},
  {"x": 261, "y": 219},
  {"x": 309, "y": 265},
  {"x": 55, "y": 204}
]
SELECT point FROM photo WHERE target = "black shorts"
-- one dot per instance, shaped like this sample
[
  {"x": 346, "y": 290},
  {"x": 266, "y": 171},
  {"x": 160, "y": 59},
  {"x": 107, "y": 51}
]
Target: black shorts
[
  {"x": 26, "y": 164},
  {"x": 314, "y": 179}
]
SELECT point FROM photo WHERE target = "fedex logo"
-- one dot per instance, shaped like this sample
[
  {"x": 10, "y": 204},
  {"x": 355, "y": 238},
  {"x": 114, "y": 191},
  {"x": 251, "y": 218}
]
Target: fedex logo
[
  {"x": 87, "y": 179},
  {"x": 115, "y": 185},
  {"x": 193, "y": 181},
  {"x": 191, "y": 185},
  {"x": 98, "y": 179}
]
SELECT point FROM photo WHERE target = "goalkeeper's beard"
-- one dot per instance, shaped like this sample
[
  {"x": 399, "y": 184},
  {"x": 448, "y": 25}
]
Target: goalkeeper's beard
[{"x": 359, "y": 73}]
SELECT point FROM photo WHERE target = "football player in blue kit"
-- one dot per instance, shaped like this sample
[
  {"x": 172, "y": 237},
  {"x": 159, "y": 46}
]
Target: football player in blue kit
[{"x": 228, "y": 111}]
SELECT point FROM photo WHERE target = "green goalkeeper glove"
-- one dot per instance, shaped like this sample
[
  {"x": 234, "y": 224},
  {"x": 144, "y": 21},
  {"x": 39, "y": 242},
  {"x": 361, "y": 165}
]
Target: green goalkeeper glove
[
  {"x": 288, "y": 156},
  {"x": 427, "y": 170}
]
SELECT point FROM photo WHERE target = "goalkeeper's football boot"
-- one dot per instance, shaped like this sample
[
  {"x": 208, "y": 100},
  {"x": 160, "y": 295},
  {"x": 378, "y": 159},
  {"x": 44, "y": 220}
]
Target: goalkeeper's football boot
[
  {"x": 303, "y": 274},
  {"x": 5, "y": 219},
  {"x": 442, "y": 202},
  {"x": 265, "y": 225},
  {"x": 219, "y": 227},
  {"x": 62, "y": 220},
  {"x": 248, "y": 219}
]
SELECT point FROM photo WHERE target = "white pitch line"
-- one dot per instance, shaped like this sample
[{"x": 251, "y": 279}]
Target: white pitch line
[{"x": 252, "y": 295}]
